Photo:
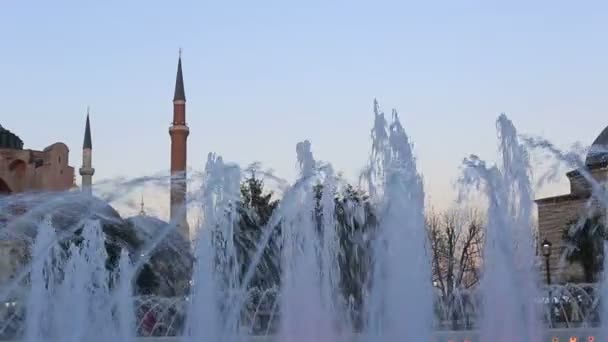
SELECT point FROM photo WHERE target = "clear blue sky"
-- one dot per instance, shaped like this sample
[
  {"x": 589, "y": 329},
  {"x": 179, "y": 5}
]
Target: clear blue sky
[{"x": 262, "y": 75}]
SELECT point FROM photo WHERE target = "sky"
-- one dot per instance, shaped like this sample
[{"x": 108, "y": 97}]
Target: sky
[{"x": 261, "y": 76}]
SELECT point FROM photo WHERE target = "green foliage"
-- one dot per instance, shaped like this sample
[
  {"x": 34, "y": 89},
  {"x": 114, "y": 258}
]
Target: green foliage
[
  {"x": 255, "y": 210},
  {"x": 249, "y": 232},
  {"x": 355, "y": 258},
  {"x": 354, "y": 230},
  {"x": 584, "y": 239},
  {"x": 355, "y": 224}
]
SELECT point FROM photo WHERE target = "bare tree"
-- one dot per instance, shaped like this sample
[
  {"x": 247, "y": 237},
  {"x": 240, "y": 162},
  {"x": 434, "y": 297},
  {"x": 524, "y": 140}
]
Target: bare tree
[{"x": 456, "y": 238}]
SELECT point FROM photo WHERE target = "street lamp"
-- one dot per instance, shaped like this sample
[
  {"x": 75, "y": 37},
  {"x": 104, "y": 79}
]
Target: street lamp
[{"x": 546, "y": 249}]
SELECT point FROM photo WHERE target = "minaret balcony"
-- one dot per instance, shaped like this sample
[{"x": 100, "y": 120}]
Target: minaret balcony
[
  {"x": 86, "y": 171},
  {"x": 179, "y": 128}
]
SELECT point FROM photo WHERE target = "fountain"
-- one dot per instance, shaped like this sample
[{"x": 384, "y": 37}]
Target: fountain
[
  {"x": 79, "y": 285},
  {"x": 401, "y": 299},
  {"x": 510, "y": 283}
]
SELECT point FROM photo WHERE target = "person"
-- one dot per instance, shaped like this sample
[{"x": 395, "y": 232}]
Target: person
[{"x": 149, "y": 322}]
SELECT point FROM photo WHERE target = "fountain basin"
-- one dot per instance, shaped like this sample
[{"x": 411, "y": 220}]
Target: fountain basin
[{"x": 551, "y": 335}]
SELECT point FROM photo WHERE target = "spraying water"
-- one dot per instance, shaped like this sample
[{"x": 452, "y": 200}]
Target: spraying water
[
  {"x": 39, "y": 310},
  {"x": 211, "y": 316},
  {"x": 307, "y": 309},
  {"x": 509, "y": 279},
  {"x": 401, "y": 299},
  {"x": 330, "y": 248},
  {"x": 71, "y": 275},
  {"x": 125, "y": 315}
]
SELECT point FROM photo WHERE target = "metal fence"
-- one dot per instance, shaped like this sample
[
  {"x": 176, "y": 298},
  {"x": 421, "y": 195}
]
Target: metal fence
[{"x": 569, "y": 306}]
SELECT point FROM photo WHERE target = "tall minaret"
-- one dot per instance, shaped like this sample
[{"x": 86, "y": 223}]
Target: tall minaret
[
  {"x": 179, "y": 134},
  {"x": 87, "y": 171}
]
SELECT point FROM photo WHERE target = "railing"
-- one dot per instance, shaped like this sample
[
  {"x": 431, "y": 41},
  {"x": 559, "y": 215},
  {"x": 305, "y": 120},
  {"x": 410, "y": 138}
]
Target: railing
[
  {"x": 551, "y": 335},
  {"x": 570, "y": 306},
  {"x": 562, "y": 306}
]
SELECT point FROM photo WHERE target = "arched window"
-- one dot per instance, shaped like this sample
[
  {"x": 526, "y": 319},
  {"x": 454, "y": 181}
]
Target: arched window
[{"x": 17, "y": 166}]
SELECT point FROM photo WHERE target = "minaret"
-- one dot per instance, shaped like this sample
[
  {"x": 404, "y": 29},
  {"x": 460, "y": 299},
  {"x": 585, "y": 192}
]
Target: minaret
[
  {"x": 142, "y": 212},
  {"x": 87, "y": 171},
  {"x": 179, "y": 134}
]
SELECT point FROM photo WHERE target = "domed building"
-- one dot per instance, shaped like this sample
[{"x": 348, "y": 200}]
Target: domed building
[
  {"x": 556, "y": 213},
  {"x": 165, "y": 246},
  {"x": 167, "y": 267},
  {"x": 598, "y": 153},
  {"x": 25, "y": 170},
  {"x": 30, "y": 170}
]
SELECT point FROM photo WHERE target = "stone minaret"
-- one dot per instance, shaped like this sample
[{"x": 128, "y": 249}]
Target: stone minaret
[
  {"x": 87, "y": 171},
  {"x": 142, "y": 212},
  {"x": 179, "y": 134}
]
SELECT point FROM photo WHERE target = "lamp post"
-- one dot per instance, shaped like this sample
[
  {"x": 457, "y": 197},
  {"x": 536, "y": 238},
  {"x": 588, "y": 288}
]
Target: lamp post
[{"x": 546, "y": 249}]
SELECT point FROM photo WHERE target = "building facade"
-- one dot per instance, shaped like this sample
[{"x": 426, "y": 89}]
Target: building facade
[
  {"x": 24, "y": 170},
  {"x": 557, "y": 213}
]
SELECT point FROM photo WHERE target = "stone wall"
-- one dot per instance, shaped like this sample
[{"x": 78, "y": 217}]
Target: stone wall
[
  {"x": 30, "y": 170},
  {"x": 579, "y": 185},
  {"x": 554, "y": 215}
]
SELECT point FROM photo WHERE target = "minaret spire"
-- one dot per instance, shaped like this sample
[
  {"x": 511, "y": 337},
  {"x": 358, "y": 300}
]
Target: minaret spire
[
  {"x": 180, "y": 94},
  {"x": 142, "y": 212},
  {"x": 87, "y": 134},
  {"x": 87, "y": 171},
  {"x": 179, "y": 132}
]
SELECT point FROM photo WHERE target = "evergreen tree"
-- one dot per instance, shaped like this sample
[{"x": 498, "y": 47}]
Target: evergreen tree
[
  {"x": 585, "y": 245},
  {"x": 255, "y": 210},
  {"x": 355, "y": 224}
]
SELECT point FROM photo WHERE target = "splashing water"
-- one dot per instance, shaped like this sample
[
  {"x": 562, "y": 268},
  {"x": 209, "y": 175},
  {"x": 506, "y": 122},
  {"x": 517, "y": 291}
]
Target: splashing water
[
  {"x": 69, "y": 274},
  {"x": 215, "y": 280},
  {"x": 307, "y": 311},
  {"x": 509, "y": 284},
  {"x": 125, "y": 316},
  {"x": 401, "y": 296},
  {"x": 77, "y": 282},
  {"x": 39, "y": 312}
]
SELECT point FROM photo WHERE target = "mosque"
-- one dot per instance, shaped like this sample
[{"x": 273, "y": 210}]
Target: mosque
[
  {"x": 48, "y": 171},
  {"x": 25, "y": 170}
]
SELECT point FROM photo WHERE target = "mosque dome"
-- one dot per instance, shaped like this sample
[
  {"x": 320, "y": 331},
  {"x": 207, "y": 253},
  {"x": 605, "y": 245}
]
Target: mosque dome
[
  {"x": 10, "y": 140},
  {"x": 66, "y": 210},
  {"x": 170, "y": 261},
  {"x": 169, "y": 266},
  {"x": 165, "y": 273},
  {"x": 598, "y": 153},
  {"x": 148, "y": 228}
]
